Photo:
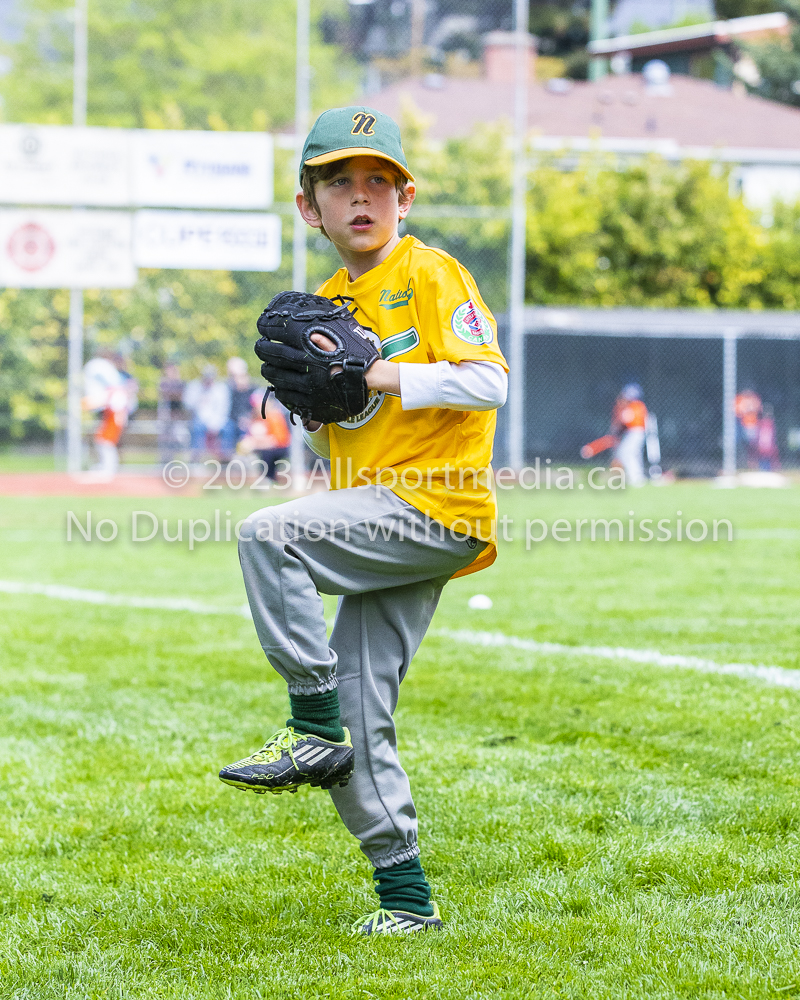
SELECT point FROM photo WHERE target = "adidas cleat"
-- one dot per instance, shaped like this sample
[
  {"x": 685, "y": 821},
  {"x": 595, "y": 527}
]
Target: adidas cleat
[
  {"x": 288, "y": 760},
  {"x": 397, "y": 922}
]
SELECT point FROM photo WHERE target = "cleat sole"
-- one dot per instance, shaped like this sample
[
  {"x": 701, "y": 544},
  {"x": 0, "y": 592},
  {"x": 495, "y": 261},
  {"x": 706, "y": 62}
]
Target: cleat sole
[{"x": 242, "y": 786}]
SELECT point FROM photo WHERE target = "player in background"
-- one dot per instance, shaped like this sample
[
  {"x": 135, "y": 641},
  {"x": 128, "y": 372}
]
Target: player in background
[
  {"x": 110, "y": 394},
  {"x": 628, "y": 424},
  {"x": 240, "y": 386},
  {"x": 748, "y": 409},
  {"x": 388, "y": 550},
  {"x": 267, "y": 437},
  {"x": 769, "y": 458}
]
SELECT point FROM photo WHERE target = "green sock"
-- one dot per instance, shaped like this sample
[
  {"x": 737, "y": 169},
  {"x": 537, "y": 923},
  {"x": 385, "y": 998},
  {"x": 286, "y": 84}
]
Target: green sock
[
  {"x": 317, "y": 715},
  {"x": 404, "y": 887}
]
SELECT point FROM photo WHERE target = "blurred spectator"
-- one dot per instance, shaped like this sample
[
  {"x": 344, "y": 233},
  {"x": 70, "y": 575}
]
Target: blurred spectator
[
  {"x": 241, "y": 386},
  {"x": 767, "y": 442},
  {"x": 209, "y": 401},
  {"x": 628, "y": 422},
  {"x": 268, "y": 439},
  {"x": 170, "y": 403},
  {"x": 748, "y": 415},
  {"x": 106, "y": 393}
]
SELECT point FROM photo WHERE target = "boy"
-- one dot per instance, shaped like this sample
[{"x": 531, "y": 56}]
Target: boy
[{"x": 385, "y": 550}]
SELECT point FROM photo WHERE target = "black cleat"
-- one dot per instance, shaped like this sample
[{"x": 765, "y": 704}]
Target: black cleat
[{"x": 288, "y": 760}]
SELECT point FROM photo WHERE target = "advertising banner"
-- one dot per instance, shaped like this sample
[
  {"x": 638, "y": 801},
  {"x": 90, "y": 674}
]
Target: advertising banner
[
  {"x": 106, "y": 167},
  {"x": 229, "y": 241},
  {"x": 201, "y": 169},
  {"x": 58, "y": 165},
  {"x": 65, "y": 248}
]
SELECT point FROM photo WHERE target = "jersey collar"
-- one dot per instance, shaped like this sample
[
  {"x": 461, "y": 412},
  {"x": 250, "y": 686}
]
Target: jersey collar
[{"x": 377, "y": 276}]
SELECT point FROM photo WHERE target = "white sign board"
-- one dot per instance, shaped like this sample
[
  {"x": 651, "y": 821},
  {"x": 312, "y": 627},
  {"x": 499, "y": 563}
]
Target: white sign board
[
  {"x": 63, "y": 248},
  {"x": 107, "y": 167},
  {"x": 226, "y": 241},
  {"x": 57, "y": 165},
  {"x": 202, "y": 169}
]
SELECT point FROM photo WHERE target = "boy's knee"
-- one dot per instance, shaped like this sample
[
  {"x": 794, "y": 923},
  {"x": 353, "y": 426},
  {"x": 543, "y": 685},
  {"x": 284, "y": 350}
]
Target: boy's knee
[{"x": 262, "y": 526}]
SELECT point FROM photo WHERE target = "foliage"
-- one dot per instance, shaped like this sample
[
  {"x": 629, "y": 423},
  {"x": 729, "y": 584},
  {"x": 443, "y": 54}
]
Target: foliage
[
  {"x": 781, "y": 285},
  {"x": 747, "y": 8},
  {"x": 33, "y": 348},
  {"x": 778, "y": 63},
  {"x": 649, "y": 233},
  {"x": 186, "y": 64},
  {"x": 219, "y": 64}
]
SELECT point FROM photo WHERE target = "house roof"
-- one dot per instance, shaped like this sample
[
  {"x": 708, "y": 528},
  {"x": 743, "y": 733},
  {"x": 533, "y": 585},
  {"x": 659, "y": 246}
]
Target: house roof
[
  {"x": 719, "y": 32},
  {"x": 693, "y": 112}
]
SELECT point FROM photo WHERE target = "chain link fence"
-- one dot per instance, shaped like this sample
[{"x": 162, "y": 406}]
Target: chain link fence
[{"x": 578, "y": 360}]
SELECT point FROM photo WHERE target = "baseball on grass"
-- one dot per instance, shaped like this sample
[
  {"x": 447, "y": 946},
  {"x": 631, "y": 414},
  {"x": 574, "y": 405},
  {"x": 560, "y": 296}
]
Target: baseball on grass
[{"x": 480, "y": 602}]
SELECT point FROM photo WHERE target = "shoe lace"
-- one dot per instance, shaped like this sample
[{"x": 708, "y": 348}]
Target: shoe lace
[
  {"x": 373, "y": 921},
  {"x": 283, "y": 741}
]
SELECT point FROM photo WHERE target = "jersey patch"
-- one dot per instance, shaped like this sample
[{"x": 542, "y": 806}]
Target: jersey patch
[{"x": 470, "y": 325}]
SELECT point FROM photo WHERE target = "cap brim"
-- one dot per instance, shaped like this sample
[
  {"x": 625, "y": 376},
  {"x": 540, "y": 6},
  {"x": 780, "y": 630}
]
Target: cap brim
[{"x": 349, "y": 151}]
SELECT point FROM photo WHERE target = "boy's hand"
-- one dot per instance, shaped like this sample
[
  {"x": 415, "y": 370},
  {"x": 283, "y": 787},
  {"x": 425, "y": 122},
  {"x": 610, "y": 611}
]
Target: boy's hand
[
  {"x": 324, "y": 344},
  {"x": 383, "y": 376}
]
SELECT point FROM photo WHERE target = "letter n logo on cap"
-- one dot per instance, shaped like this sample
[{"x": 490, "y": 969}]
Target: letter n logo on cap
[{"x": 363, "y": 124}]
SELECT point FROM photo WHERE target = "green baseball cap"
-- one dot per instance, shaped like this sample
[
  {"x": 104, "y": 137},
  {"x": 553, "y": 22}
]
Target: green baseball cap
[{"x": 356, "y": 131}]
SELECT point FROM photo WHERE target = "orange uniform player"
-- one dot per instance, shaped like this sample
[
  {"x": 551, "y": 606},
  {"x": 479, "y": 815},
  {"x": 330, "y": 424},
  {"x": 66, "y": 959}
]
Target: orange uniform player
[
  {"x": 628, "y": 423},
  {"x": 106, "y": 393},
  {"x": 748, "y": 409},
  {"x": 267, "y": 437}
]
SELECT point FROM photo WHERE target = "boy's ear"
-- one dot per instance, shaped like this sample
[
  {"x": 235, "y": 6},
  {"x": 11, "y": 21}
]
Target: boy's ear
[
  {"x": 308, "y": 212},
  {"x": 406, "y": 200}
]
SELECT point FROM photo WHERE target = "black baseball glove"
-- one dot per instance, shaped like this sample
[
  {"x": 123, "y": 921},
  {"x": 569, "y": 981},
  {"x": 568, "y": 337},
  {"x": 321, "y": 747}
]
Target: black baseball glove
[{"x": 300, "y": 372}]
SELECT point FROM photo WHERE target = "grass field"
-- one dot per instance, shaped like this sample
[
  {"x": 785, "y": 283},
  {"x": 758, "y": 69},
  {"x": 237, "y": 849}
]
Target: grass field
[{"x": 598, "y": 828}]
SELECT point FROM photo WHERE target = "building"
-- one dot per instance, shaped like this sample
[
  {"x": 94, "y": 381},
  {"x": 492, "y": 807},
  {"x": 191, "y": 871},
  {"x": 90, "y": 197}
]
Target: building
[{"x": 710, "y": 51}]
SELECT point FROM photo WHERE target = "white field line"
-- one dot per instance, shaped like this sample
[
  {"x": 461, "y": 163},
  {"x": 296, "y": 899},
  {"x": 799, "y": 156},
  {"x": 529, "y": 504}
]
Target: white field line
[
  {"x": 61, "y": 593},
  {"x": 776, "y": 676}
]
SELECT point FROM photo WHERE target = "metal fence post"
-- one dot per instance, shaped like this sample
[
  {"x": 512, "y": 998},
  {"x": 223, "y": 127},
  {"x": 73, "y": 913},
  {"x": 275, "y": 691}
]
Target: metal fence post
[
  {"x": 516, "y": 353},
  {"x": 729, "y": 379},
  {"x": 80, "y": 72},
  {"x": 299, "y": 249}
]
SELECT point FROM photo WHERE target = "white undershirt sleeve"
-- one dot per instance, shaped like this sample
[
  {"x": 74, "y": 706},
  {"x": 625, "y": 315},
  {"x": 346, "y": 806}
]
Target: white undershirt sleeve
[{"x": 468, "y": 385}]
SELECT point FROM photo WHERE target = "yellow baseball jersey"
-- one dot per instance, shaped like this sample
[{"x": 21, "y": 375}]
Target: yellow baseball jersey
[{"x": 421, "y": 306}]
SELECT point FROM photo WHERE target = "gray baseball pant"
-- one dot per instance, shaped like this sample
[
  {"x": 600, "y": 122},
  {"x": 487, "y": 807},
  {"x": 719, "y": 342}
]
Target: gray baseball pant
[{"x": 388, "y": 563}]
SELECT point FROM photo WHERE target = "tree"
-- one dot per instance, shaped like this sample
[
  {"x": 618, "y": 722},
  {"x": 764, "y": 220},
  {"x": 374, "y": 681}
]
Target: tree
[
  {"x": 779, "y": 65},
  {"x": 186, "y": 64},
  {"x": 781, "y": 285},
  {"x": 648, "y": 233},
  {"x": 219, "y": 64}
]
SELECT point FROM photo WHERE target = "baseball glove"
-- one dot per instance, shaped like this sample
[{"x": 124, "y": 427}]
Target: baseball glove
[{"x": 300, "y": 372}]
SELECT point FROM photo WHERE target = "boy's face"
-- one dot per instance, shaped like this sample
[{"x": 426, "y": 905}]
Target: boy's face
[{"x": 359, "y": 206}]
